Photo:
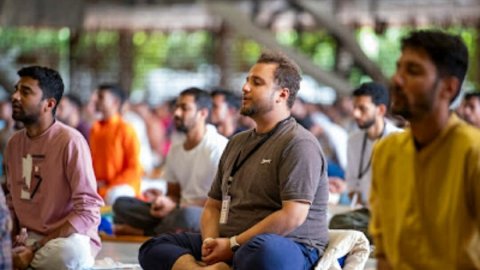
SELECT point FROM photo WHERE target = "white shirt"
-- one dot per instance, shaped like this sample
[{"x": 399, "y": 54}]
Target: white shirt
[
  {"x": 146, "y": 153},
  {"x": 359, "y": 178},
  {"x": 336, "y": 135},
  {"x": 195, "y": 169}
]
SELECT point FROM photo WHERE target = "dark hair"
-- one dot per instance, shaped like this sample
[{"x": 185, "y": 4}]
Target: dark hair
[
  {"x": 49, "y": 81},
  {"x": 202, "y": 97},
  {"x": 287, "y": 74},
  {"x": 472, "y": 95},
  {"x": 448, "y": 52},
  {"x": 378, "y": 92},
  {"x": 233, "y": 101},
  {"x": 115, "y": 89},
  {"x": 74, "y": 99}
]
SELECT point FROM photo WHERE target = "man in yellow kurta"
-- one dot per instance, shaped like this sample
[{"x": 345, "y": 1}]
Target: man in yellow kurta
[
  {"x": 425, "y": 195},
  {"x": 115, "y": 148}
]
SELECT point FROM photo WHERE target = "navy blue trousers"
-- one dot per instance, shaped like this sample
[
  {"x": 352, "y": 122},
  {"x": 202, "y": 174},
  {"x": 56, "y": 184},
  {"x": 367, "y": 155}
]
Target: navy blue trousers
[{"x": 263, "y": 252}]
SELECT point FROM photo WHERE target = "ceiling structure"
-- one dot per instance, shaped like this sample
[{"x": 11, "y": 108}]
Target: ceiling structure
[
  {"x": 191, "y": 14},
  {"x": 256, "y": 19}
]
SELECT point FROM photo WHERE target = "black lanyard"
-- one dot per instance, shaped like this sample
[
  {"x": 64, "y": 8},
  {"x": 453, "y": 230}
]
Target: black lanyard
[
  {"x": 362, "y": 171},
  {"x": 239, "y": 163}
]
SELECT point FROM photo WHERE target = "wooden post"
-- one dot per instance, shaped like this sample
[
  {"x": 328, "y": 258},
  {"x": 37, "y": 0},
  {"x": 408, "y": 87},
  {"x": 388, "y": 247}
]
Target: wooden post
[{"x": 126, "y": 54}]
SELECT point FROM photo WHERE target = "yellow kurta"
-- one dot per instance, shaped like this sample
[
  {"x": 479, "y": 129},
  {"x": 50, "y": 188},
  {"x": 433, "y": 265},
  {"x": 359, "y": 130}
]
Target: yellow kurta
[{"x": 426, "y": 204}]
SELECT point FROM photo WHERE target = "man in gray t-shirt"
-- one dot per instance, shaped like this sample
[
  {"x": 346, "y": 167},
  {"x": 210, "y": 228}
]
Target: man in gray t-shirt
[{"x": 267, "y": 205}]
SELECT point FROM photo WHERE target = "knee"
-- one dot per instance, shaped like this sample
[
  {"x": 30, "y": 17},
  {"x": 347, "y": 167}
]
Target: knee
[
  {"x": 59, "y": 254},
  {"x": 266, "y": 251},
  {"x": 121, "y": 204},
  {"x": 151, "y": 251},
  {"x": 116, "y": 192},
  {"x": 146, "y": 247}
]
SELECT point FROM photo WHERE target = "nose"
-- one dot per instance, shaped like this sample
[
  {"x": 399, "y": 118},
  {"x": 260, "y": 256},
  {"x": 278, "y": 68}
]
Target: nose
[
  {"x": 356, "y": 113},
  {"x": 246, "y": 87},
  {"x": 15, "y": 96},
  {"x": 177, "y": 112},
  {"x": 396, "y": 79}
]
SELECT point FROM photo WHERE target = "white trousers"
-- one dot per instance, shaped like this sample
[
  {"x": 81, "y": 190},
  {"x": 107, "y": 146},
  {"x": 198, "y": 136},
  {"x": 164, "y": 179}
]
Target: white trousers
[
  {"x": 118, "y": 191},
  {"x": 70, "y": 253}
]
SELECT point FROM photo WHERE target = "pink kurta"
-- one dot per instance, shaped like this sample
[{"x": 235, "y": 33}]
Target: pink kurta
[{"x": 55, "y": 172}]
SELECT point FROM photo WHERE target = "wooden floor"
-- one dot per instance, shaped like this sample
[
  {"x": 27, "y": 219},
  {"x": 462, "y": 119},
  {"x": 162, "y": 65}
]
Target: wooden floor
[
  {"x": 121, "y": 252},
  {"x": 118, "y": 255},
  {"x": 126, "y": 253}
]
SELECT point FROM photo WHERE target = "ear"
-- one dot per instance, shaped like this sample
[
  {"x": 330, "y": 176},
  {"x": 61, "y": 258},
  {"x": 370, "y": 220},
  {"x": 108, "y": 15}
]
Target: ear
[
  {"x": 203, "y": 112},
  {"x": 451, "y": 87},
  {"x": 382, "y": 109},
  {"x": 283, "y": 94},
  {"x": 51, "y": 103}
]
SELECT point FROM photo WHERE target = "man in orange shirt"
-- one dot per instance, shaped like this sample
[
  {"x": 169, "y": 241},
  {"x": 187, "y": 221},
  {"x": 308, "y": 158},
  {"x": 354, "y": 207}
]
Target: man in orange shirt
[{"x": 115, "y": 148}]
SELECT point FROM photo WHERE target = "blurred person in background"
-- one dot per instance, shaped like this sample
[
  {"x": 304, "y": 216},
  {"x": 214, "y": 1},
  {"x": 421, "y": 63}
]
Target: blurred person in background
[
  {"x": 115, "y": 147},
  {"x": 370, "y": 105},
  {"x": 5, "y": 238},
  {"x": 225, "y": 111},
  {"x": 425, "y": 193},
  {"x": 190, "y": 168},
  {"x": 69, "y": 112},
  {"x": 138, "y": 123},
  {"x": 471, "y": 108}
]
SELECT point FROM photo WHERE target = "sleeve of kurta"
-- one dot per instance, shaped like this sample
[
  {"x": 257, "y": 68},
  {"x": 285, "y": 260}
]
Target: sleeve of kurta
[
  {"x": 375, "y": 226},
  {"x": 79, "y": 172},
  {"x": 132, "y": 169}
]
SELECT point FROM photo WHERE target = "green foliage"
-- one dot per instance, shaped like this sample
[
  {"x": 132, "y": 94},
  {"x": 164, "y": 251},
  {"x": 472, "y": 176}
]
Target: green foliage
[
  {"x": 188, "y": 50},
  {"x": 177, "y": 50},
  {"x": 34, "y": 45}
]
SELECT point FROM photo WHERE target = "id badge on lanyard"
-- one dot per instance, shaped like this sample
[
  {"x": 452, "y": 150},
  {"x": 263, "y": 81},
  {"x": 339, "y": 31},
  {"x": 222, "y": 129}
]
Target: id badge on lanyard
[
  {"x": 226, "y": 199},
  {"x": 225, "y": 209}
]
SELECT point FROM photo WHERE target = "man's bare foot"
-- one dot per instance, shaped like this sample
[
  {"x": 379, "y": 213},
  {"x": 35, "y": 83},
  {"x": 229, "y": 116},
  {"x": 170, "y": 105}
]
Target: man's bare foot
[{"x": 124, "y": 229}]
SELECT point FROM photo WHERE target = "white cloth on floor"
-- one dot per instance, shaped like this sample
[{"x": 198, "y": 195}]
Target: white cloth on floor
[
  {"x": 350, "y": 243},
  {"x": 109, "y": 263}
]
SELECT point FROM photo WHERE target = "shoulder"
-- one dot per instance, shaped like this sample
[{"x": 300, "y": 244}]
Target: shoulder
[
  {"x": 63, "y": 134},
  {"x": 356, "y": 135},
  {"x": 240, "y": 137},
  {"x": 215, "y": 139},
  {"x": 467, "y": 134},
  {"x": 390, "y": 127},
  {"x": 394, "y": 140},
  {"x": 295, "y": 132},
  {"x": 296, "y": 138}
]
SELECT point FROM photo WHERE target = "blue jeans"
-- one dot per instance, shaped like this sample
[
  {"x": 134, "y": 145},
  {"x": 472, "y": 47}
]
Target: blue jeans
[{"x": 263, "y": 252}]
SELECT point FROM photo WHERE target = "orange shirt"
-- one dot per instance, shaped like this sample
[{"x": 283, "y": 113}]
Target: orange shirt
[{"x": 115, "y": 154}]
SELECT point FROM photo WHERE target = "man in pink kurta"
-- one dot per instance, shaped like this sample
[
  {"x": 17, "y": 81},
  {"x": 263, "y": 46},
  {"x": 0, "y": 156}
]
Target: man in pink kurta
[{"x": 50, "y": 181}]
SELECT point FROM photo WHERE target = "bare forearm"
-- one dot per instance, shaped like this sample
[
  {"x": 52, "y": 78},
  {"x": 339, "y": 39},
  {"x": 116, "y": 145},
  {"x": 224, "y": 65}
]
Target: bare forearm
[{"x": 210, "y": 219}]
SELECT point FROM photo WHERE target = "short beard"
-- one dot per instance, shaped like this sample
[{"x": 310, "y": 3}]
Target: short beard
[
  {"x": 410, "y": 113},
  {"x": 26, "y": 119},
  {"x": 248, "y": 111},
  {"x": 182, "y": 128},
  {"x": 367, "y": 124}
]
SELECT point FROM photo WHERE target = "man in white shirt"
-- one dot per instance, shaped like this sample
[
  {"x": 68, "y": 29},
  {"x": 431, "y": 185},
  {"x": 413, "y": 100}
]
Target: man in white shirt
[
  {"x": 370, "y": 102},
  {"x": 189, "y": 170}
]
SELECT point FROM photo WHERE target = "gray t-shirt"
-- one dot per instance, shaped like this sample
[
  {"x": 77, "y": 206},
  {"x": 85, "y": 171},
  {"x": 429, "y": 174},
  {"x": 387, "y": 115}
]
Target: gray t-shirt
[{"x": 290, "y": 165}]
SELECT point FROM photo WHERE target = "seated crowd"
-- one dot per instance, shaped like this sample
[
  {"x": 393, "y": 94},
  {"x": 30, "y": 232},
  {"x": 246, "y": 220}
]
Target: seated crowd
[{"x": 249, "y": 177}]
